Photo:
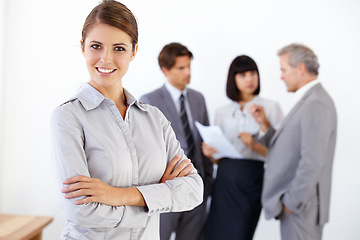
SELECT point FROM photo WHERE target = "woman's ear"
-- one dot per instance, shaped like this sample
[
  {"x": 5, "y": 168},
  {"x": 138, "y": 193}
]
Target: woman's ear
[
  {"x": 134, "y": 52},
  {"x": 82, "y": 46}
]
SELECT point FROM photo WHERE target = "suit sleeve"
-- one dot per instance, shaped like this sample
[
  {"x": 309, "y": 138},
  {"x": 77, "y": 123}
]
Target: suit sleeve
[
  {"x": 316, "y": 129},
  {"x": 265, "y": 139}
]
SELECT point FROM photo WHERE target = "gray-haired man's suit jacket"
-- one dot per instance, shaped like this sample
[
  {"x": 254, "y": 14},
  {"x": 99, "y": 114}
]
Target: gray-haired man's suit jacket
[{"x": 300, "y": 158}]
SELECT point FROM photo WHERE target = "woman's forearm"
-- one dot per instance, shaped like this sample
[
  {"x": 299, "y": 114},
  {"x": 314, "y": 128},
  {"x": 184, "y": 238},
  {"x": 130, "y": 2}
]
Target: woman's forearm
[
  {"x": 131, "y": 197},
  {"x": 260, "y": 149}
]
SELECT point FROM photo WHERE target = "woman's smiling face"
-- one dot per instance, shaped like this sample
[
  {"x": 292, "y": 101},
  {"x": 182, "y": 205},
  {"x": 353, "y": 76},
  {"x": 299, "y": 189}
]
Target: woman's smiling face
[{"x": 108, "y": 52}]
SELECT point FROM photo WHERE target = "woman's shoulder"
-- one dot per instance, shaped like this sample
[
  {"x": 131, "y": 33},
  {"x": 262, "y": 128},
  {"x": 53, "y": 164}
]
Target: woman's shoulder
[
  {"x": 266, "y": 102},
  {"x": 68, "y": 104},
  {"x": 272, "y": 110},
  {"x": 227, "y": 107},
  {"x": 151, "y": 109},
  {"x": 66, "y": 109},
  {"x": 147, "y": 107},
  {"x": 153, "y": 114}
]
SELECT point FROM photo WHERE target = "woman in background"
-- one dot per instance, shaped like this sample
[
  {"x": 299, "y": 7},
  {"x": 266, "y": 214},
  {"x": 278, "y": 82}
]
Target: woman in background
[
  {"x": 118, "y": 162},
  {"x": 236, "y": 198}
]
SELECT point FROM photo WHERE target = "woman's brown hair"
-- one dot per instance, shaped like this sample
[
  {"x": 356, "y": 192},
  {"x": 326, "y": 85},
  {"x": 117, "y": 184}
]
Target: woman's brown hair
[{"x": 115, "y": 14}]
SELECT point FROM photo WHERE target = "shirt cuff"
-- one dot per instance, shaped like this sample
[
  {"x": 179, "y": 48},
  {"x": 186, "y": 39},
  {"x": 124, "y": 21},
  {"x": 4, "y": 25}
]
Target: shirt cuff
[
  {"x": 133, "y": 217},
  {"x": 157, "y": 198},
  {"x": 261, "y": 134}
]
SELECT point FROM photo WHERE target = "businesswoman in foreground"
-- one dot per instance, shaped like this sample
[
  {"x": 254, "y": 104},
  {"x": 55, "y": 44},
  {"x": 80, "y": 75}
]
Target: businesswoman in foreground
[
  {"x": 236, "y": 199},
  {"x": 118, "y": 162}
]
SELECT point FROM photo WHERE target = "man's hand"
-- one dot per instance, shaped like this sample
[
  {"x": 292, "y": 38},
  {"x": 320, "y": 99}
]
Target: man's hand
[{"x": 173, "y": 170}]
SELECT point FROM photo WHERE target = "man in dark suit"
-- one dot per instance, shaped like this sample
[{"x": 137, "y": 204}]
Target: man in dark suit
[
  {"x": 183, "y": 106},
  {"x": 298, "y": 169}
]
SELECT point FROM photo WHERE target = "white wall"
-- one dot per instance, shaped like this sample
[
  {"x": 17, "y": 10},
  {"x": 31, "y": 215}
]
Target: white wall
[
  {"x": 43, "y": 66},
  {"x": 2, "y": 19}
]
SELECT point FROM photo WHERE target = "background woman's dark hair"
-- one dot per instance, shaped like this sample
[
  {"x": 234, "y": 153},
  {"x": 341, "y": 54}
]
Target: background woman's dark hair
[
  {"x": 115, "y": 14},
  {"x": 169, "y": 53},
  {"x": 240, "y": 64}
]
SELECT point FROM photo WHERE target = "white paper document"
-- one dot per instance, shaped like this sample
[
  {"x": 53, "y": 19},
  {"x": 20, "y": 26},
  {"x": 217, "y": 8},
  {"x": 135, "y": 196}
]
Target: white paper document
[{"x": 213, "y": 136}]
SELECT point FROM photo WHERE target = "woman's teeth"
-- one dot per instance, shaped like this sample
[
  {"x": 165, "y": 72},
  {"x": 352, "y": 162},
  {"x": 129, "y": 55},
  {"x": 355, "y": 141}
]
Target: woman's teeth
[{"x": 105, "y": 70}]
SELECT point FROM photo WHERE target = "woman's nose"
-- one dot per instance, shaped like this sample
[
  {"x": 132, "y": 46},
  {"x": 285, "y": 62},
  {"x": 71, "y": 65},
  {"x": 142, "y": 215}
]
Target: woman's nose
[
  {"x": 106, "y": 57},
  {"x": 248, "y": 78}
]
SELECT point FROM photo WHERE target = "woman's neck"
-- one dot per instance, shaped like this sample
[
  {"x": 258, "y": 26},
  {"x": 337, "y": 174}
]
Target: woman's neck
[
  {"x": 116, "y": 94},
  {"x": 245, "y": 99}
]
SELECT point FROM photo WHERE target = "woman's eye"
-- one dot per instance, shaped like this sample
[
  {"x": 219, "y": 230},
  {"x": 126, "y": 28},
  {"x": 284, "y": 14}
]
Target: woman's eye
[
  {"x": 95, "y": 46},
  {"x": 119, "y": 49}
]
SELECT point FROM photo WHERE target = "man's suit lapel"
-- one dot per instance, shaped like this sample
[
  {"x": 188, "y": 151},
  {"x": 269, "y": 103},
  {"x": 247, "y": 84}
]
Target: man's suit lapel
[
  {"x": 172, "y": 115},
  {"x": 292, "y": 112},
  {"x": 193, "y": 107},
  {"x": 195, "y": 114}
]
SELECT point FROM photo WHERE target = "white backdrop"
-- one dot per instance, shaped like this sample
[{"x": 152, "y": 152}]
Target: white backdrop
[
  {"x": 43, "y": 66},
  {"x": 2, "y": 19}
]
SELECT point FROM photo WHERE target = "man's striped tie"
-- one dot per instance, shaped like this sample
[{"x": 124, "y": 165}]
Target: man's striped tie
[{"x": 185, "y": 122}]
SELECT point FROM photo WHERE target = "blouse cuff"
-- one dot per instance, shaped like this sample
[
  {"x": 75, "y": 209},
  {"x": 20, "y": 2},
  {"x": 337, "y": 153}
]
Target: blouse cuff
[
  {"x": 134, "y": 217},
  {"x": 157, "y": 198}
]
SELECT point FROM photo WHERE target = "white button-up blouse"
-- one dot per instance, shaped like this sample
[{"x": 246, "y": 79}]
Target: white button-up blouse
[
  {"x": 90, "y": 137},
  {"x": 232, "y": 121}
]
